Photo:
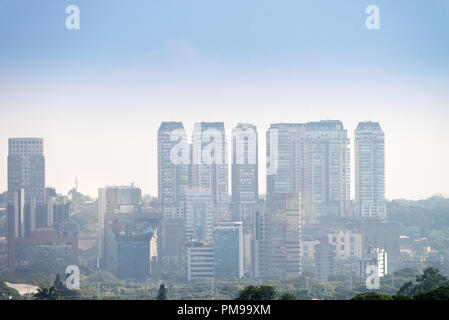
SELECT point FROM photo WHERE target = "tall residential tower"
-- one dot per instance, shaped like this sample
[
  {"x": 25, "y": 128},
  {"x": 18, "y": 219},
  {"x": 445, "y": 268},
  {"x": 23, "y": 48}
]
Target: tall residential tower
[{"x": 370, "y": 171}]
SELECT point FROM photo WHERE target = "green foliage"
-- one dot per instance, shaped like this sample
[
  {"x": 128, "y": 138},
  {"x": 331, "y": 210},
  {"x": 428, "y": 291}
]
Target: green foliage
[
  {"x": 429, "y": 280},
  {"x": 287, "y": 296},
  {"x": 46, "y": 293},
  {"x": 7, "y": 293},
  {"x": 372, "y": 296},
  {"x": 441, "y": 293},
  {"x": 257, "y": 293},
  {"x": 102, "y": 276},
  {"x": 162, "y": 293},
  {"x": 84, "y": 212},
  {"x": 401, "y": 297}
]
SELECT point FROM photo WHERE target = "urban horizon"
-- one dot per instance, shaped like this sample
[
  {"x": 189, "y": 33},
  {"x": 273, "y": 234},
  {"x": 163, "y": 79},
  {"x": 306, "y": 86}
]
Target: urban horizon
[
  {"x": 224, "y": 150},
  {"x": 152, "y": 191}
]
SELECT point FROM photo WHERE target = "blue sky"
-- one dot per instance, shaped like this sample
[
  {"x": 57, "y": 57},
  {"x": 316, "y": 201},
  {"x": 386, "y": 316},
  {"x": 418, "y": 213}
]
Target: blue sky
[{"x": 103, "y": 90}]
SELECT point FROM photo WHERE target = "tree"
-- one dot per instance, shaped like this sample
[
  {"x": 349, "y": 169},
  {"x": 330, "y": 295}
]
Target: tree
[
  {"x": 287, "y": 296},
  {"x": 257, "y": 293},
  {"x": 429, "y": 280},
  {"x": 162, "y": 293},
  {"x": 401, "y": 297},
  {"x": 441, "y": 293},
  {"x": 7, "y": 293},
  {"x": 372, "y": 296},
  {"x": 46, "y": 293}
]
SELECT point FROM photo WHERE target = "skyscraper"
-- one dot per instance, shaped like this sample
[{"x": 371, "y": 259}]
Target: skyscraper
[
  {"x": 228, "y": 244},
  {"x": 33, "y": 242},
  {"x": 174, "y": 158},
  {"x": 113, "y": 201},
  {"x": 26, "y": 188},
  {"x": 326, "y": 190},
  {"x": 283, "y": 235},
  {"x": 370, "y": 171},
  {"x": 200, "y": 215},
  {"x": 245, "y": 183},
  {"x": 285, "y": 157},
  {"x": 210, "y": 164},
  {"x": 312, "y": 159}
]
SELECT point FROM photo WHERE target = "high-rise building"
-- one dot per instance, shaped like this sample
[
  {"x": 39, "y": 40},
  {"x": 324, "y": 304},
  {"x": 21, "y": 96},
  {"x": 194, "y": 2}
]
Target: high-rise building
[
  {"x": 312, "y": 159},
  {"x": 324, "y": 259},
  {"x": 26, "y": 189},
  {"x": 245, "y": 183},
  {"x": 259, "y": 242},
  {"x": 34, "y": 243},
  {"x": 285, "y": 157},
  {"x": 228, "y": 244},
  {"x": 210, "y": 164},
  {"x": 370, "y": 171},
  {"x": 198, "y": 260},
  {"x": 327, "y": 174},
  {"x": 174, "y": 167},
  {"x": 26, "y": 185},
  {"x": 200, "y": 215},
  {"x": 283, "y": 235},
  {"x": 173, "y": 160},
  {"x": 113, "y": 201}
]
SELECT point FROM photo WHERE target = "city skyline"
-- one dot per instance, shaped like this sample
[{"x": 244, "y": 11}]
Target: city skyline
[{"x": 228, "y": 132}]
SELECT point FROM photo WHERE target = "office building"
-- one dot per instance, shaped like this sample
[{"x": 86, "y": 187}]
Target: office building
[
  {"x": 283, "y": 235},
  {"x": 198, "y": 260},
  {"x": 200, "y": 215},
  {"x": 174, "y": 175},
  {"x": 324, "y": 259},
  {"x": 228, "y": 244},
  {"x": 347, "y": 243},
  {"x": 370, "y": 171},
  {"x": 113, "y": 202},
  {"x": 245, "y": 183},
  {"x": 326, "y": 167},
  {"x": 210, "y": 164}
]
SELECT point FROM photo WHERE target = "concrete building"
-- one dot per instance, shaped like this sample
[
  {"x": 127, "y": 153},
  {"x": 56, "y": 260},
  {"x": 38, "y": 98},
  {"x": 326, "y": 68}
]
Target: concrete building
[
  {"x": 374, "y": 257},
  {"x": 173, "y": 179},
  {"x": 347, "y": 244},
  {"x": 283, "y": 235},
  {"x": 198, "y": 260},
  {"x": 324, "y": 259},
  {"x": 259, "y": 243},
  {"x": 228, "y": 244},
  {"x": 245, "y": 184},
  {"x": 115, "y": 205},
  {"x": 370, "y": 171},
  {"x": 326, "y": 169},
  {"x": 312, "y": 159},
  {"x": 210, "y": 164},
  {"x": 200, "y": 215},
  {"x": 308, "y": 248},
  {"x": 35, "y": 244},
  {"x": 26, "y": 186}
]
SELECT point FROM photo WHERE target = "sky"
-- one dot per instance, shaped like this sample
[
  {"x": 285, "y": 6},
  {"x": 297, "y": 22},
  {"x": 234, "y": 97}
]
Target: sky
[{"x": 97, "y": 95}]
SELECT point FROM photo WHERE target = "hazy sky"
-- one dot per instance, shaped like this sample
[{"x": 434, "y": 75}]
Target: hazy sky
[{"x": 97, "y": 95}]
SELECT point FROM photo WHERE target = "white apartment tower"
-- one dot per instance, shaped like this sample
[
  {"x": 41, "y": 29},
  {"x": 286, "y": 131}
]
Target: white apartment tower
[{"x": 370, "y": 171}]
